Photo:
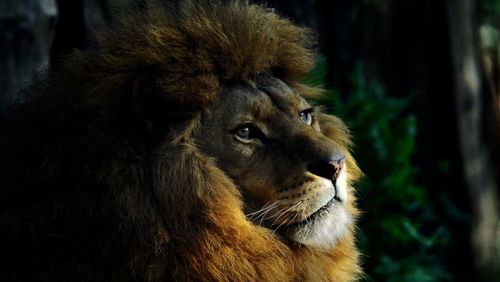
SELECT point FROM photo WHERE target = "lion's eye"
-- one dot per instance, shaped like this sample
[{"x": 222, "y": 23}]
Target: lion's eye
[
  {"x": 306, "y": 116},
  {"x": 247, "y": 132},
  {"x": 243, "y": 132}
]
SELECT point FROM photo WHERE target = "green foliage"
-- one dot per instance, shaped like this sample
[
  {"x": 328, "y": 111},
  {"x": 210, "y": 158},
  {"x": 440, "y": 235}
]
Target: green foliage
[
  {"x": 488, "y": 19},
  {"x": 488, "y": 9},
  {"x": 399, "y": 232}
]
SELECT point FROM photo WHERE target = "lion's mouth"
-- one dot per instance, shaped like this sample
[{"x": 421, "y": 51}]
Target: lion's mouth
[
  {"x": 325, "y": 224},
  {"x": 322, "y": 210},
  {"x": 315, "y": 215},
  {"x": 286, "y": 225}
]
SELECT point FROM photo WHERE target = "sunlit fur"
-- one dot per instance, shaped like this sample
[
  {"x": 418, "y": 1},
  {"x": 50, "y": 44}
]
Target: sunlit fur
[{"x": 100, "y": 178}]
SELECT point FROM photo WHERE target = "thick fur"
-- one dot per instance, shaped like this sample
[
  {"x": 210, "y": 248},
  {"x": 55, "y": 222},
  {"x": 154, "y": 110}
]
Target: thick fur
[{"x": 101, "y": 179}]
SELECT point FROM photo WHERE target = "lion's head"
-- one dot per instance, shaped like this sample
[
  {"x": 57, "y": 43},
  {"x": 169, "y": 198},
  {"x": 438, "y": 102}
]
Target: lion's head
[
  {"x": 182, "y": 147},
  {"x": 269, "y": 140}
]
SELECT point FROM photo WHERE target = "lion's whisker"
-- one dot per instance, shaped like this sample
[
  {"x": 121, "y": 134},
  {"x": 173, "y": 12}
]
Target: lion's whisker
[
  {"x": 296, "y": 215},
  {"x": 281, "y": 213},
  {"x": 287, "y": 220},
  {"x": 267, "y": 205},
  {"x": 261, "y": 213},
  {"x": 292, "y": 207},
  {"x": 278, "y": 227},
  {"x": 284, "y": 221},
  {"x": 257, "y": 213},
  {"x": 264, "y": 214}
]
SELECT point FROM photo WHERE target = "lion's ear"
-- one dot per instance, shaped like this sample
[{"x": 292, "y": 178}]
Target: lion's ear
[{"x": 155, "y": 109}]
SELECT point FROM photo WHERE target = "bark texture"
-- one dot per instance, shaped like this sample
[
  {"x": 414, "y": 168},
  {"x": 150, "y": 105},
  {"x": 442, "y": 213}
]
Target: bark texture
[
  {"x": 470, "y": 96},
  {"x": 26, "y": 33}
]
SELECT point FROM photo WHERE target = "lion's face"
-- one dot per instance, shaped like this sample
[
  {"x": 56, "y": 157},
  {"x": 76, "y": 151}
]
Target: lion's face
[{"x": 268, "y": 139}]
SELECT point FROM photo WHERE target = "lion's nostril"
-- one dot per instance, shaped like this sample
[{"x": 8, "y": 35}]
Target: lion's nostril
[{"x": 327, "y": 168}]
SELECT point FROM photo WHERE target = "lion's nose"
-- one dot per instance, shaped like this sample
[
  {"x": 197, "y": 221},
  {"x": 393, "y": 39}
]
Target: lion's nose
[{"x": 327, "y": 168}]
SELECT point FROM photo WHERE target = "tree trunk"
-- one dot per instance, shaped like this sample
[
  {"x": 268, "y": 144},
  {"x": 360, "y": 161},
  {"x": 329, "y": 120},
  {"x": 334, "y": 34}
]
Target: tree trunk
[
  {"x": 26, "y": 32},
  {"x": 470, "y": 95}
]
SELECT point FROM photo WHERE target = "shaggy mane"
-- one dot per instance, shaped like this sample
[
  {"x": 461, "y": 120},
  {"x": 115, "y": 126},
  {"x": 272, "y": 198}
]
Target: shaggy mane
[
  {"x": 101, "y": 180},
  {"x": 197, "y": 47}
]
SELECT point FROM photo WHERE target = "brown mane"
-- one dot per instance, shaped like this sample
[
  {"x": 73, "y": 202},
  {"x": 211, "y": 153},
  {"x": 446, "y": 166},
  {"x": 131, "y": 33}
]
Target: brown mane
[{"x": 98, "y": 184}]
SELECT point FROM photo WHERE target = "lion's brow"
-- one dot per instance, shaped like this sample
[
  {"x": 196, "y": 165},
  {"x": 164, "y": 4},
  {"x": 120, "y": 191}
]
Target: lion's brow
[{"x": 279, "y": 99}]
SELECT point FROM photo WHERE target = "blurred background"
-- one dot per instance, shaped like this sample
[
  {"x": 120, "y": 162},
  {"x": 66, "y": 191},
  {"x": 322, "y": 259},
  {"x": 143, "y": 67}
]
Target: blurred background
[{"x": 418, "y": 83}]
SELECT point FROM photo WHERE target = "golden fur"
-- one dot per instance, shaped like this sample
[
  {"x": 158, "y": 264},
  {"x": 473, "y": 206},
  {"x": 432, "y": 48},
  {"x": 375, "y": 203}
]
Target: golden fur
[{"x": 102, "y": 178}]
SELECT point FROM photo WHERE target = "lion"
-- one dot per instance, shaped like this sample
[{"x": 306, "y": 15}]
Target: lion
[{"x": 181, "y": 148}]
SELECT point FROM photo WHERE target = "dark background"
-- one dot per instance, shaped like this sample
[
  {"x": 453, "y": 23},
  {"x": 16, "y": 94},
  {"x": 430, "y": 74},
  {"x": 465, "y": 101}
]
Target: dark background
[{"x": 417, "y": 81}]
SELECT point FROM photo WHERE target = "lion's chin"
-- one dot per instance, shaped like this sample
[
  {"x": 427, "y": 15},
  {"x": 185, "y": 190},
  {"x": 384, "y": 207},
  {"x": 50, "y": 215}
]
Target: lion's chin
[{"x": 324, "y": 230}]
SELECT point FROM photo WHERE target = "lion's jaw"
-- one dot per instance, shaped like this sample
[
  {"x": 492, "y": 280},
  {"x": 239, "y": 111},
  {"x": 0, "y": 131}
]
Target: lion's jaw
[{"x": 321, "y": 221}]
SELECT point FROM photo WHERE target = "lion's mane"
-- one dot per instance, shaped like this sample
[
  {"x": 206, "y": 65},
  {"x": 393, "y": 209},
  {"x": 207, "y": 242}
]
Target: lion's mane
[{"x": 98, "y": 183}]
